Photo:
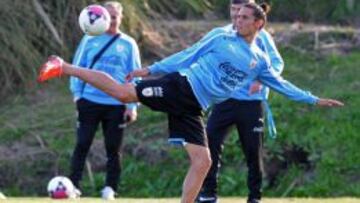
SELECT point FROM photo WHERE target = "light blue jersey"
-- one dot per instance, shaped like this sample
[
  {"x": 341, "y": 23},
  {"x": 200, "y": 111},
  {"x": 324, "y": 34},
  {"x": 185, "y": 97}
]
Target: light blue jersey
[
  {"x": 121, "y": 58},
  {"x": 223, "y": 64},
  {"x": 266, "y": 43}
]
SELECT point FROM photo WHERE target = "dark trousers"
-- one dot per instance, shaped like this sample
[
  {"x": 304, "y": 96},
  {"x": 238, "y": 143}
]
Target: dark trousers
[
  {"x": 111, "y": 117},
  {"x": 247, "y": 116}
]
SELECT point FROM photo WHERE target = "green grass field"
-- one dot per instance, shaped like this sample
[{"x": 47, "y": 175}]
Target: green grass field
[{"x": 174, "y": 200}]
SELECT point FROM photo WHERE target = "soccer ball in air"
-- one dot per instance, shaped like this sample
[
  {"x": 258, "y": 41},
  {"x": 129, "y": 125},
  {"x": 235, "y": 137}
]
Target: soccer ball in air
[
  {"x": 61, "y": 187},
  {"x": 94, "y": 20}
]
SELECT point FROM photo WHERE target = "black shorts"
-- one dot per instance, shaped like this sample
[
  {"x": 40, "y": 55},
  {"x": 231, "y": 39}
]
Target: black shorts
[{"x": 173, "y": 94}]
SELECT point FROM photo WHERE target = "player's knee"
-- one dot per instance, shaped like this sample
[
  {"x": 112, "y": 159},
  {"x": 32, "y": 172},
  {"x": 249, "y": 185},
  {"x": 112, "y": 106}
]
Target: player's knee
[
  {"x": 206, "y": 163},
  {"x": 203, "y": 162}
]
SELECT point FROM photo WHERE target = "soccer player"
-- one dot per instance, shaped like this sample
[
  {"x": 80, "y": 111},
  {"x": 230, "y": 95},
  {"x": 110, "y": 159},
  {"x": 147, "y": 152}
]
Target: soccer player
[
  {"x": 204, "y": 74},
  {"x": 245, "y": 111},
  {"x": 94, "y": 107}
]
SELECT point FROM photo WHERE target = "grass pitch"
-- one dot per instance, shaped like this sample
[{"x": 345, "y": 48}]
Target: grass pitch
[{"x": 176, "y": 200}]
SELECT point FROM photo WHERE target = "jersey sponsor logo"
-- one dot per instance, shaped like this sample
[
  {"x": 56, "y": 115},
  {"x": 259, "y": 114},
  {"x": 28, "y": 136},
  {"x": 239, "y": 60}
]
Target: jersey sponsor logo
[
  {"x": 233, "y": 76},
  {"x": 153, "y": 92}
]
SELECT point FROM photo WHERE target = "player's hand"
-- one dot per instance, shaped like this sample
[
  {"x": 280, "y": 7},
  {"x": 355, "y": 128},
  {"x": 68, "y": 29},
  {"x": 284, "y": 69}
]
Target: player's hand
[
  {"x": 329, "y": 103},
  {"x": 51, "y": 69},
  {"x": 137, "y": 73},
  {"x": 255, "y": 87},
  {"x": 130, "y": 115}
]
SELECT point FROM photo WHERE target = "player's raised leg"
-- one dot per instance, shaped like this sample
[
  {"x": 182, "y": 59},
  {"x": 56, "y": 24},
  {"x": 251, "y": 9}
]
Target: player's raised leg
[{"x": 56, "y": 67}]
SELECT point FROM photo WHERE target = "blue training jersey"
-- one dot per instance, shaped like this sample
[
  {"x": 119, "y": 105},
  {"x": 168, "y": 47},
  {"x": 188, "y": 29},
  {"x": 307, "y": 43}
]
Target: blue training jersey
[
  {"x": 266, "y": 43},
  {"x": 223, "y": 64},
  {"x": 121, "y": 58}
]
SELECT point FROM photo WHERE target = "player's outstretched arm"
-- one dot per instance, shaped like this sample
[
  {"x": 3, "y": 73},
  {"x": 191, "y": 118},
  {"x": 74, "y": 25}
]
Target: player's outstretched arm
[
  {"x": 269, "y": 78},
  {"x": 329, "y": 102}
]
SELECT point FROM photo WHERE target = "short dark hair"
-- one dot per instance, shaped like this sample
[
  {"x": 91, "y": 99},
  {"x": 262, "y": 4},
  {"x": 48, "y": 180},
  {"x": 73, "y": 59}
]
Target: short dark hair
[
  {"x": 240, "y": 1},
  {"x": 259, "y": 11}
]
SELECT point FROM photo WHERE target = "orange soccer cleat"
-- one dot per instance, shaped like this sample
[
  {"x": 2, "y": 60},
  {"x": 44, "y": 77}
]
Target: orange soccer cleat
[{"x": 51, "y": 69}]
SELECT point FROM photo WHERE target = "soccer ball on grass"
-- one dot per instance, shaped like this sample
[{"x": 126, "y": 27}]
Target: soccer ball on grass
[{"x": 61, "y": 187}]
